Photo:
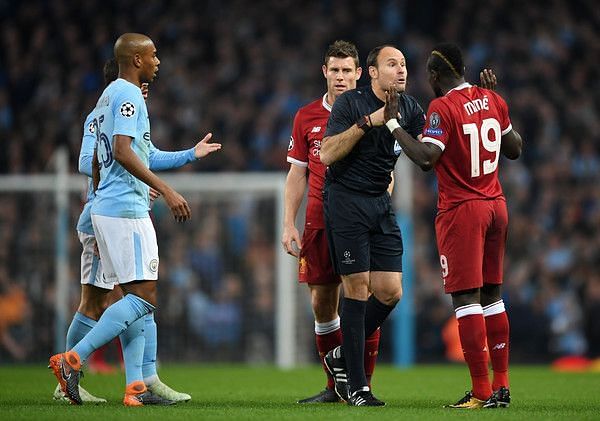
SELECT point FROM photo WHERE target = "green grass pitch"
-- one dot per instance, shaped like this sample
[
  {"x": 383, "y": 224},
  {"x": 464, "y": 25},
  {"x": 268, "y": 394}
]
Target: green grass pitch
[{"x": 245, "y": 393}]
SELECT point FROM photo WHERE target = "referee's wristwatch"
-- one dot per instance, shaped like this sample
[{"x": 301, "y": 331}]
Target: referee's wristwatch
[{"x": 363, "y": 123}]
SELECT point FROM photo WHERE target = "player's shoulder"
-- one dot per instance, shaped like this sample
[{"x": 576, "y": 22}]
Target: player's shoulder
[
  {"x": 494, "y": 95},
  {"x": 355, "y": 93},
  {"x": 350, "y": 97},
  {"x": 123, "y": 89},
  {"x": 411, "y": 103},
  {"x": 409, "y": 99},
  {"x": 441, "y": 104}
]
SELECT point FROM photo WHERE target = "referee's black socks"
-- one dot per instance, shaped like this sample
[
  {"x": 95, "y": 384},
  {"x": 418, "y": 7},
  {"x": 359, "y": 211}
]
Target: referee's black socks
[
  {"x": 353, "y": 337},
  {"x": 375, "y": 314}
]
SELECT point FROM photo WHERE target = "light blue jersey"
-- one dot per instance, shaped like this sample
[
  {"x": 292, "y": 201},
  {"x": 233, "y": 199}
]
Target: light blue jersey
[{"x": 159, "y": 160}]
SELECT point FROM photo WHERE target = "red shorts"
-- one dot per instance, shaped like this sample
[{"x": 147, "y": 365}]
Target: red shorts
[
  {"x": 471, "y": 240},
  {"x": 314, "y": 263}
]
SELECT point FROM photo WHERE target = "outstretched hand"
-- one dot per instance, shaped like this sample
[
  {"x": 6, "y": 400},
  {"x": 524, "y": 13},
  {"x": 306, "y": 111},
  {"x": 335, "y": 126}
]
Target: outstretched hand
[
  {"x": 390, "y": 110},
  {"x": 488, "y": 79},
  {"x": 204, "y": 147}
]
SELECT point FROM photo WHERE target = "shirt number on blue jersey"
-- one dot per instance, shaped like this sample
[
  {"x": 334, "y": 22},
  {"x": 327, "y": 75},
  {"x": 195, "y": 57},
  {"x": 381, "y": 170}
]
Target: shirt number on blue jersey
[{"x": 104, "y": 151}]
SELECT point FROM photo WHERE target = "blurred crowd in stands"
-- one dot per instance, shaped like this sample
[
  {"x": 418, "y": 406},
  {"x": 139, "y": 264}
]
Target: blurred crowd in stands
[{"x": 241, "y": 70}]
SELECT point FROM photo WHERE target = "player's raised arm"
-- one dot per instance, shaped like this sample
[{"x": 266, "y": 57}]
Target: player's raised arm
[
  {"x": 125, "y": 156},
  {"x": 512, "y": 144},
  {"x": 425, "y": 155}
]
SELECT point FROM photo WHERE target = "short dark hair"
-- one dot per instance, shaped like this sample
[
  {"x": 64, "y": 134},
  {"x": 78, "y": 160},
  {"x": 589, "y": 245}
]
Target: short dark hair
[
  {"x": 374, "y": 54},
  {"x": 447, "y": 60},
  {"x": 342, "y": 49},
  {"x": 110, "y": 70}
]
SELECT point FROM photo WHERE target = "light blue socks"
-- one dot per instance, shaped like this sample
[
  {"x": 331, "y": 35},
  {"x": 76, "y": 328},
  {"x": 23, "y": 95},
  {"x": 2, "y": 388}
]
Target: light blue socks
[
  {"x": 79, "y": 327},
  {"x": 149, "y": 365},
  {"x": 115, "y": 320}
]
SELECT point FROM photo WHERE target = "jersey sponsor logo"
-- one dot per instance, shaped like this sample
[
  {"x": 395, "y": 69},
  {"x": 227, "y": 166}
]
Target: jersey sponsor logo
[
  {"x": 153, "y": 265},
  {"x": 434, "y": 132},
  {"x": 316, "y": 129},
  {"x": 127, "y": 109},
  {"x": 397, "y": 148},
  {"x": 348, "y": 260},
  {"x": 291, "y": 145},
  {"x": 316, "y": 147},
  {"x": 434, "y": 120}
]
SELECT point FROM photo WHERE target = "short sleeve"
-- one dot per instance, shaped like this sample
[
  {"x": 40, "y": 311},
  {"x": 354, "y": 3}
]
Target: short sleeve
[
  {"x": 505, "y": 124},
  {"x": 437, "y": 125},
  {"x": 417, "y": 120},
  {"x": 298, "y": 147},
  {"x": 341, "y": 117},
  {"x": 126, "y": 107}
]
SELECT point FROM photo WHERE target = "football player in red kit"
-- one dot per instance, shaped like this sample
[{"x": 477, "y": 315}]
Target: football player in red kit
[
  {"x": 467, "y": 129},
  {"x": 341, "y": 70}
]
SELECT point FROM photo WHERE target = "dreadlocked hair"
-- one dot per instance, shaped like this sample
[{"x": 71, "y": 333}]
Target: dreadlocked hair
[{"x": 447, "y": 60}]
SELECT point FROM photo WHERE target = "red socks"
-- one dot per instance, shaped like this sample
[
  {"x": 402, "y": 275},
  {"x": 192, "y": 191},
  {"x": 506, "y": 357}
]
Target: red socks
[
  {"x": 497, "y": 327},
  {"x": 371, "y": 352},
  {"x": 333, "y": 338},
  {"x": 328, "y": 336},
  {"x": 471, "y": 328}
]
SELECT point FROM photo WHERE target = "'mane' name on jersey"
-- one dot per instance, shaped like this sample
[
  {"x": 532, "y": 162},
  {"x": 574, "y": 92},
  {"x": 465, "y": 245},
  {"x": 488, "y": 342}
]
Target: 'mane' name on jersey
[{"x": 121, "y": 110}]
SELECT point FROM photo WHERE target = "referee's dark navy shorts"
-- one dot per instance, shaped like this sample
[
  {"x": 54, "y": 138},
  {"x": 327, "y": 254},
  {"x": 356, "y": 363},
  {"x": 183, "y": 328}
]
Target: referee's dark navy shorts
[{"x": 361, "y": 231}]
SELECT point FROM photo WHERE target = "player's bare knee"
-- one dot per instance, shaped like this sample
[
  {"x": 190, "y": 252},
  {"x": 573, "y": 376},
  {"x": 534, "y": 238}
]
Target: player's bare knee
[
  {"x": 324, "y": 301},
  {"x": 465, "y": 297},
  {"x": 490, "y": 293},
  {"x": 92, "y": 309},
  {"x": 390, "y": 296},
  {"x": 324, "y": 311}
]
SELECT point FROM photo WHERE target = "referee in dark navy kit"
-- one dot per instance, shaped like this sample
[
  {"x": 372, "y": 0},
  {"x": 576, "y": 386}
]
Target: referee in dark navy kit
[{"x": 364, "y": 239}]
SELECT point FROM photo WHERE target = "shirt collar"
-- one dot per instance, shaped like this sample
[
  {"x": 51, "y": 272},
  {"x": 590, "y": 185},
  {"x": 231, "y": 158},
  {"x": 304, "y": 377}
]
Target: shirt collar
[
  {"x": 325, "y": 103},
  {"x": 459, "y": 87}
]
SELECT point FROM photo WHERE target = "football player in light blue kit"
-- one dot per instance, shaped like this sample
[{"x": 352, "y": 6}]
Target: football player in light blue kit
[
  {"x": 124, "y": 233},
  {"x": 96, "y": 293}
]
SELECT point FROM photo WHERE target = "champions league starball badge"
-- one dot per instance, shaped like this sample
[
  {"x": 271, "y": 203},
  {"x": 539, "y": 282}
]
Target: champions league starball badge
[{"x": 127, "y": 109}]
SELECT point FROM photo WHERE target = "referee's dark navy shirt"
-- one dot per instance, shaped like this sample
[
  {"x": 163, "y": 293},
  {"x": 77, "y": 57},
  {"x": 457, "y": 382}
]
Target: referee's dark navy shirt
[{"x": 366, "y": 169}]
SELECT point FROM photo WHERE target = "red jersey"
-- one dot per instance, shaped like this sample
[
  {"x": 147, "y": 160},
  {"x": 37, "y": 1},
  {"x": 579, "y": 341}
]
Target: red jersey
[
  {"x": 467, "y": 124},
  {"x": 305, "y": 145}
]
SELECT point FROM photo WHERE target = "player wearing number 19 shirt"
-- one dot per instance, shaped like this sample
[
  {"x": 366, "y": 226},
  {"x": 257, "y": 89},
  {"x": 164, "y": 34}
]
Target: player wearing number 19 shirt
[{"x": 466, "y": 130}]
